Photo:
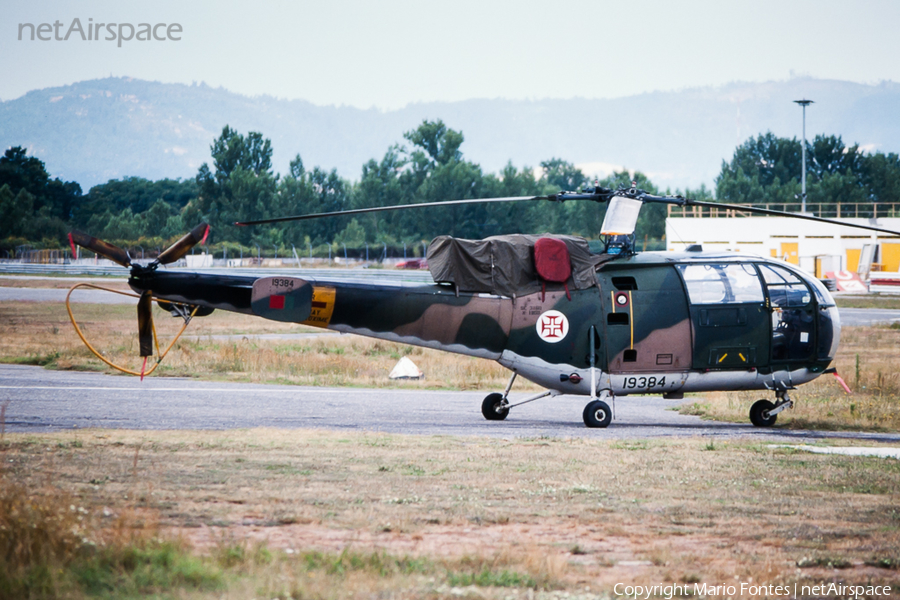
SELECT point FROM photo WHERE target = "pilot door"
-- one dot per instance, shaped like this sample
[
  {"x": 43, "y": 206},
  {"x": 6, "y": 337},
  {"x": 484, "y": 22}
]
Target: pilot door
[
  {"x": 729, "y": 315},
  {"x": 646, "y": 320},
  {"x": 792, "y": 315}
]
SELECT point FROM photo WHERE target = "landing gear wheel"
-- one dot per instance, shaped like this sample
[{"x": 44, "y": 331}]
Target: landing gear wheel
[
  {"x": 759, "y": 413},
  {"x": 597, "y": 414},
  {"x": 494, "y": 407}
]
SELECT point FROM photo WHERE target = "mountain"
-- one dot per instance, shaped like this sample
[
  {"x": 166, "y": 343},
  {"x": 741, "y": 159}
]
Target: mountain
[{"x": 97, "y": 130}]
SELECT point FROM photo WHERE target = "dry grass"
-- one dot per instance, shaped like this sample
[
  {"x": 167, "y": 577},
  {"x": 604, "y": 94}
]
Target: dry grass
[
  {"x": 888, "y": 301},
  {"x": 40, "y": 333},
  {"x": 324, "y": 514},
  {"x": 867, "y": 360},
  {"x": 62, "y": 282}
]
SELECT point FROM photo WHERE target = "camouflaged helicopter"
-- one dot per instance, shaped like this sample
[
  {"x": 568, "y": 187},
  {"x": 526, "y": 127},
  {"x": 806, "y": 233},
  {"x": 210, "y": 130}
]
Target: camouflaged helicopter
[{"x": 545, "y": 307}]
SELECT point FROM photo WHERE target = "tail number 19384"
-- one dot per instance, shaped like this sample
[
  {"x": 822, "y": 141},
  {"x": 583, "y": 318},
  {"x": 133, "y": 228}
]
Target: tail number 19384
[{"x": 632, "y": 383}]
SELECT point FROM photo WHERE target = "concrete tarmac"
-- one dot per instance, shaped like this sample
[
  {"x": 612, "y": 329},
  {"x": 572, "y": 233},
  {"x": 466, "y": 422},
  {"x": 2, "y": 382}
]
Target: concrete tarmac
[{"x": 40, "y": 400}]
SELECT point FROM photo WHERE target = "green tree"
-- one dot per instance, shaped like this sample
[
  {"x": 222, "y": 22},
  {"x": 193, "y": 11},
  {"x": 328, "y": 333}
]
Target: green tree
[
  {"x": 309, "y": 192},
  {"x": 353, "y": 236},
  {"x": 562, "y": 175},
  {"x": 242, "y": 187},
  {"x": 766, "y": 170},
  {"x": 15, "y": 211},
  {"x": 880, "y": 174},
  {"x": 136, "y": 193},
  {"x": 22, "y": 172}
]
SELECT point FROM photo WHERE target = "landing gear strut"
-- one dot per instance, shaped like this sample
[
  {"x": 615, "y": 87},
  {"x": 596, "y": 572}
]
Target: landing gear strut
[
  {"x": 597, "y": 412},
  {"x": 763, "y": 413},
  {"x": 495, "y": 407}
]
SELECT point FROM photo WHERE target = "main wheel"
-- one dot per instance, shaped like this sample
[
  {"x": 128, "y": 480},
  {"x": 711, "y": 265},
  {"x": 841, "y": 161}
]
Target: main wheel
[
  {"x": 493, "y": 408},
  {"x": 597, "y": 414},
  {"x": 759, "y": 414}
]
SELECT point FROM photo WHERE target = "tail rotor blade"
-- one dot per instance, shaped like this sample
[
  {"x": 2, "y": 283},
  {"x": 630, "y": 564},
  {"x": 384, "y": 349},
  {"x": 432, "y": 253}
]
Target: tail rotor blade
[
  {"x": 145, "y": 323},
  {"x": 196, "y": 236},
  {"x": 104, "y": 249}
]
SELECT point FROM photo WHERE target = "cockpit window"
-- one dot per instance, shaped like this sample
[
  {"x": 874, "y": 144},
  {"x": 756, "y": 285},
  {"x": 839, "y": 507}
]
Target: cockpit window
[
  {"x": 722, "y": 283},
  {"x": 822, "y": 295},
  {"x": 773, "y": 274},
  {"x": 785, "y": 288}
]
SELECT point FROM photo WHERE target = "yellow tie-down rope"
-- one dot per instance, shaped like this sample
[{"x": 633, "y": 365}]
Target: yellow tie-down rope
[{"x": 161, "y": 354}]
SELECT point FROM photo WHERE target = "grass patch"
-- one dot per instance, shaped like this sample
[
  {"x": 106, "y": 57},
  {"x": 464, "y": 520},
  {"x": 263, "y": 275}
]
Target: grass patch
[
  {"x": 316, "y": 514},
  {"x": 52, "y": 547},
  {"x": 489, "y": 578},
  {"x": 886, "y": 301}
]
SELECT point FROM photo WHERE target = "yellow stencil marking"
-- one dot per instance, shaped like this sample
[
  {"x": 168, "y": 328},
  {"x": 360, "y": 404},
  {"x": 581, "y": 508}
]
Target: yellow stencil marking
[
  {"x": 631, "y": 317},
  {"x": 322, "y": 306},
  {"x": 723, "y": 357},
  {"x": 742, "y": 357}
]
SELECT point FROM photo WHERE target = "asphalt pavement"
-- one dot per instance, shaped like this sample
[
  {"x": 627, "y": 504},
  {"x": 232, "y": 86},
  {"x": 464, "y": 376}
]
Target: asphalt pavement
[{"x": 41, "y": 400}]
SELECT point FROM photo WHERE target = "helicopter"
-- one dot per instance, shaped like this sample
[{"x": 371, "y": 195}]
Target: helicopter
[{"x": 545, "y": 307}]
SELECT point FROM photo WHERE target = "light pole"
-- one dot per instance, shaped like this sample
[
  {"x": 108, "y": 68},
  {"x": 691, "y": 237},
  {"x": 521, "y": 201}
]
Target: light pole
[{"x": 804, "y": 103}]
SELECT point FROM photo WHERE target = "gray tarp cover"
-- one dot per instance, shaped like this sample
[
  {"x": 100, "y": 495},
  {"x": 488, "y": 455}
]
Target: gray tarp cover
[{"x": 504, "y": 264}]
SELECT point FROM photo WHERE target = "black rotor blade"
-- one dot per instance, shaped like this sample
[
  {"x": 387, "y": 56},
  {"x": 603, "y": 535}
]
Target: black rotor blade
[
  {"x": 778, "y": 213},
  {"x": 181, "y": 247},
  {"x": 104, "y": 249},
  {"x": 360, "y": 211},
  {"x": 145, "y": 323}
]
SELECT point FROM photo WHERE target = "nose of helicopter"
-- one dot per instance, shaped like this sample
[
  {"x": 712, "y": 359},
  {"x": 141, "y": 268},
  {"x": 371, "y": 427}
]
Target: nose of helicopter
[
  {"x": 829, "y": 332},
  {"x": 828, "y": 322}
]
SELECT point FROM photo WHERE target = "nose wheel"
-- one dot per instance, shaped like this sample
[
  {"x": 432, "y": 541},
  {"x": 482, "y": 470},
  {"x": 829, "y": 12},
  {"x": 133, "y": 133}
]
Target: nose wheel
[
  {"x": 764, "y": 414},
  {"x": 760, "y": 413}
]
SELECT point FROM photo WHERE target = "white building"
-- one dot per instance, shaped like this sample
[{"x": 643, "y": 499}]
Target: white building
[{"x": 815, "y": 247}]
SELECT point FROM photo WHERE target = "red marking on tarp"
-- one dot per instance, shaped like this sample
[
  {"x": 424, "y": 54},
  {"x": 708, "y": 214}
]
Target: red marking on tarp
[
  {"x": 72, "y": 243},
  {"x": 205, "y": 235},
  {"x": 319, "y": 304},
  {"x": 552, "y": 262},
  {"x": 276, "y": 302}
]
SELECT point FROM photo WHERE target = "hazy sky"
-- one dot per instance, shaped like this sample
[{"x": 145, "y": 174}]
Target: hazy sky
[{"x": 388, "y": 53}]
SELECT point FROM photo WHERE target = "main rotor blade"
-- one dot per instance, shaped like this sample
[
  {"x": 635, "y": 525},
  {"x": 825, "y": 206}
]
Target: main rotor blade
[
  {"x": 778, "y": 213},
  {"x": 180, "y": 248},
  {"x": 145, "y": 323},
  {"x": 360, "y": 211},
  {"x": 105, "y": 249}
]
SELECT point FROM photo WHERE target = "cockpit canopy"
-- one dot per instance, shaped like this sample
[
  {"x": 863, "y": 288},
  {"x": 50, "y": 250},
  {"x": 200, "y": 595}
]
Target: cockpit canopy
[{"x": 797, "y": 323}]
